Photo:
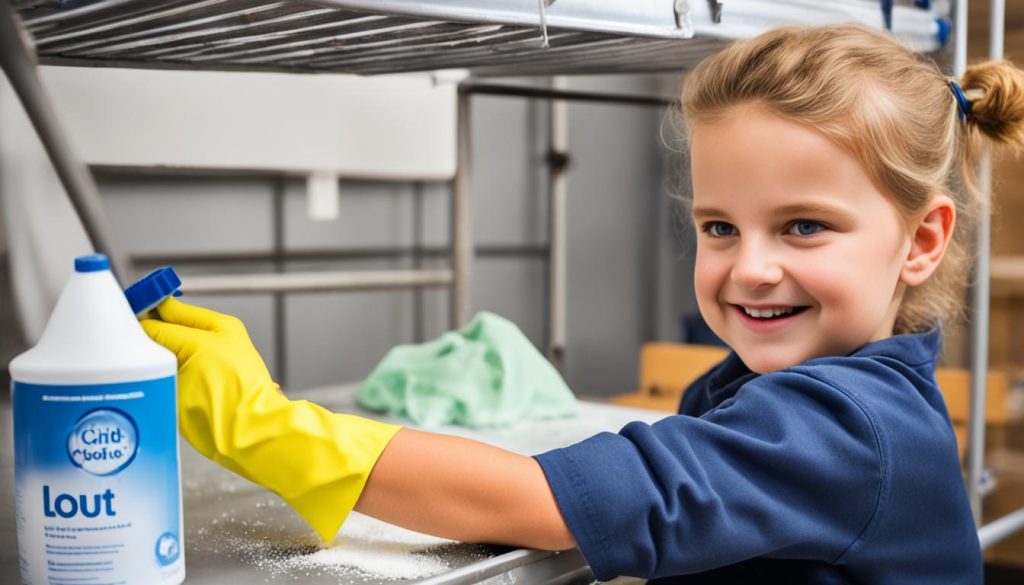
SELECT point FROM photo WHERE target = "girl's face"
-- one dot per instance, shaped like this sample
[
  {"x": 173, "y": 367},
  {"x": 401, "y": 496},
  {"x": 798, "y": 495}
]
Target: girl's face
[{"x": 799, "y": 255}]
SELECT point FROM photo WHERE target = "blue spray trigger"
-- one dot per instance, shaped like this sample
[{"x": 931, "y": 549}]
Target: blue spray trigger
[{"x": 150, "y": 290}]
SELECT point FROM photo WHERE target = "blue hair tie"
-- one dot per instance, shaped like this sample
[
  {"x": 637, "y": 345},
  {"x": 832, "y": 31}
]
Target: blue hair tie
[{"x": 962, "y": 102}]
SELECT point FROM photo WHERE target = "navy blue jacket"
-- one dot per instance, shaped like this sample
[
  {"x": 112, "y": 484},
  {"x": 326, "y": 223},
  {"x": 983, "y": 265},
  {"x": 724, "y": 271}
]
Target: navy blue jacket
[{"x": 836, "y": 470}]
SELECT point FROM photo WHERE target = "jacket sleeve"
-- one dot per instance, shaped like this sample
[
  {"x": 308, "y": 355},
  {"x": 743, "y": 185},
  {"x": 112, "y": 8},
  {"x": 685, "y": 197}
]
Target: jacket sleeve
[{"x": 788, "y": 467}]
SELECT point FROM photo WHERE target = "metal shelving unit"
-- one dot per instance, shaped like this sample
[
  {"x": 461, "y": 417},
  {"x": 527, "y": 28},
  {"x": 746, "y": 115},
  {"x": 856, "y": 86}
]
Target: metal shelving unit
[
  {"x": 494, "y": 38},
  {"x": 501, "y": 37}
]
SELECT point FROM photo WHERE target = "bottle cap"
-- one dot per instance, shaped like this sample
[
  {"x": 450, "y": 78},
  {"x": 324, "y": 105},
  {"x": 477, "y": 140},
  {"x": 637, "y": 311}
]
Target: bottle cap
[
  {"x": 150, "y": 290},
  {"x": 92, "y": 263}
]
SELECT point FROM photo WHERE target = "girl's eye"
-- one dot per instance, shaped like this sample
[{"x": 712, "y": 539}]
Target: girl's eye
[
  {"x": 718, "y": 229},
  {"x": 805, "y": 227}
]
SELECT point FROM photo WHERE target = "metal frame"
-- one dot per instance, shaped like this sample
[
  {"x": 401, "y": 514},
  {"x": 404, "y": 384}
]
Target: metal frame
[
  {"x": 1005, "y": 526},
  {"x": 558, "y": 195},
  {"x": 461, "y": 222},
  {"x": 558, "y": 161},
  {"x": 498, "y": 37},
  {"x": 18, "y": 64},
  {"x": 550, "y": 568},
  {"x": 979, "y": 306},
  {"x": 379, "y": 36},
  {"x": 321, "y": 280}
]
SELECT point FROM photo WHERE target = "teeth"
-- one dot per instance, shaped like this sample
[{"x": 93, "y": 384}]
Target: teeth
[{"x": 767, "y": 313}]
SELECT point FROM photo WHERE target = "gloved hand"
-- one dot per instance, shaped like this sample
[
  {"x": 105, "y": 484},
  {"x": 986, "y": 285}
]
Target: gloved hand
[{"x": 232, "y": 412}]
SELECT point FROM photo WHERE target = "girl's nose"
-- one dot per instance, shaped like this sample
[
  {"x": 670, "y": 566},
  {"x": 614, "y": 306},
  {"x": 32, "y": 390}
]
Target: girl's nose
[{"x": 756, "y": 265}]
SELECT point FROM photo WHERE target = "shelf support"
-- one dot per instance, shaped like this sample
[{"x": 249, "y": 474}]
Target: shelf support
[
  {"x": 558, "y": 189},
  {"x": 980, "y": 284},
  {"x": 19, "y": 64},
  {"x": 461, "y": 218}
]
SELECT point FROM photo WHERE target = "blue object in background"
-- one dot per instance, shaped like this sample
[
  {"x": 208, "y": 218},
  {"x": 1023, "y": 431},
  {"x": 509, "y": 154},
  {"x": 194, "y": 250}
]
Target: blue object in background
[
  {"x": 945, "y": 28},
  {"x": 693, "y": 329}
]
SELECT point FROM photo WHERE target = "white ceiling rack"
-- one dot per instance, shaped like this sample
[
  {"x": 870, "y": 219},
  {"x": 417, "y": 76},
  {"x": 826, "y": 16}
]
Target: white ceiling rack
[{"x": 494, "y": 38}]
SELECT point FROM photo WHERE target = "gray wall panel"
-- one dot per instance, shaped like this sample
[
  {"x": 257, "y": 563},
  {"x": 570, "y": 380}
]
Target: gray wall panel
[
  {"x": 614, "y": 177},
  {"x": 254, "y": 310},
  {"x": 509, "y": 204},
  {"x": 370, "y": 214},
  {"x": 337, "y": 337},
  {"x": 435, "y": 205},
  {"x": 515, "y": 289},
  {"x": 181, "y": 215}
]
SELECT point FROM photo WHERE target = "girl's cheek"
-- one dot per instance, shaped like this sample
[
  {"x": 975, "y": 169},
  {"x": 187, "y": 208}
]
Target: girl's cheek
[{"x": 703, "y": 278}]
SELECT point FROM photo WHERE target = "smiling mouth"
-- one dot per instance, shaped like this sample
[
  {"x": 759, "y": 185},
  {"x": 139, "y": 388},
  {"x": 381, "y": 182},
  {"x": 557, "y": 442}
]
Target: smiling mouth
[{"x": 772, "y": 313}]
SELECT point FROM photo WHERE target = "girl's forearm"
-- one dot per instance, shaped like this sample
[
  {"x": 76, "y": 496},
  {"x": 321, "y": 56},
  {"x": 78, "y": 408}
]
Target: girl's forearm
[{"x": 464, "y": 490}]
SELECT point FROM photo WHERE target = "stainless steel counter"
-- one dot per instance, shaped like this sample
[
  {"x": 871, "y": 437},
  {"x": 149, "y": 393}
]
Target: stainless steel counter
[{"x": 238, "y": 532}]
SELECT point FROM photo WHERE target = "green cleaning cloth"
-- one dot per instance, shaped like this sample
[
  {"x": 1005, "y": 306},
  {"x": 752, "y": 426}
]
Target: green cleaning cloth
[{"x": 486, "y": 375}]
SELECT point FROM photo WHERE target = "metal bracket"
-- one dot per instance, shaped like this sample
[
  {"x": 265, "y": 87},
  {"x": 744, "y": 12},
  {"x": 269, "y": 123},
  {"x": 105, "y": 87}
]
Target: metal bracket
[
  {"x": 683, "y": 20},
  {"x": 544, "y": 20},
  {"x": 716, "y": 11}
]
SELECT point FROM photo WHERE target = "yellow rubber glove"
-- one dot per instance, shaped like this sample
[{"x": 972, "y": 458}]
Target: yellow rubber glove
[{"x": 232, "y": 412}]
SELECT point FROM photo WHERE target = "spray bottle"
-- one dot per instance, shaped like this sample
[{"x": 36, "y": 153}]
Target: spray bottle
[{"x": 96, "y": 461}]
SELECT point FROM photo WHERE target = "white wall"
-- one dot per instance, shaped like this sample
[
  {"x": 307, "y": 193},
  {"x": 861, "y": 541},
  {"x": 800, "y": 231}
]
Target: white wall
[{"x": 384, "y": 126}]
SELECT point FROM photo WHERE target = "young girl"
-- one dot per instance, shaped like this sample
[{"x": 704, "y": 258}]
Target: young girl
[{"x": 829, "y": 168}]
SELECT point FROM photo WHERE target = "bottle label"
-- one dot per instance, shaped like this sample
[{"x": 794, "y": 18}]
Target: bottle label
[{"x": 97, "y": 490}]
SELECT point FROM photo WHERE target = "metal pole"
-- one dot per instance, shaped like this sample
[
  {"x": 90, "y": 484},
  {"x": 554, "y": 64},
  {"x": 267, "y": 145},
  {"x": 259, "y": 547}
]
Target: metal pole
[
  {"x": 558, "y": 144},
  {"x": 979, "y": 345},
  {"x": 418, "y": 334},
  {"x": 279, "y": 299},
  {"x": 995, "y": 532},
  {"x": 495, "y": 566},
  {"x": 314, "y": 281},
  {"x": 19, "y": 65},
  {"x": 973, "y": 476},
  {"x": 980, "y": 296},
  {"x": 556, "y": 92},
  {"x": 960, "y": 38},
  {"x": 461, "y": 216}
]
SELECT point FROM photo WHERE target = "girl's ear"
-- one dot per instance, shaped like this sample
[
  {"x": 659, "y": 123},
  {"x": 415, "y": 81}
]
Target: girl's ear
[{"x": 929, "y": 240}]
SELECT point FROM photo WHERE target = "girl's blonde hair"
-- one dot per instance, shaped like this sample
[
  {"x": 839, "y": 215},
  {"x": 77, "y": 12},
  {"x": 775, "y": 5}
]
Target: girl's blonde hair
[{"x": 889, "y": 106}]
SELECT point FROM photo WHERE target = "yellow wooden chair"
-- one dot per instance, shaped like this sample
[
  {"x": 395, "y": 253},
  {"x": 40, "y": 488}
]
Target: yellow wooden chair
[
  {"x": 666, "y": 369},
  {"x": 955, "y": 384}
]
